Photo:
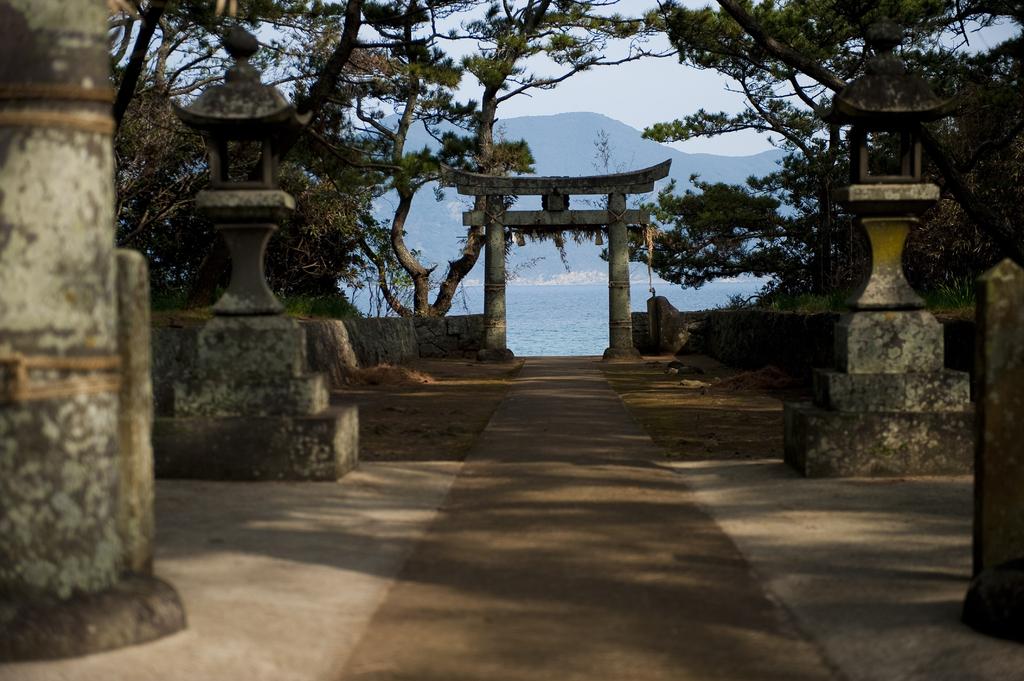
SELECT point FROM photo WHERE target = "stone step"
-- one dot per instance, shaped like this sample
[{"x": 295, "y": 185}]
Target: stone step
[
  {"x": 214, "y": 395},
  {"x": 319, "y": 447},
  {"x": 822, "y": 443},
  {"x": 933, "y": 391}
]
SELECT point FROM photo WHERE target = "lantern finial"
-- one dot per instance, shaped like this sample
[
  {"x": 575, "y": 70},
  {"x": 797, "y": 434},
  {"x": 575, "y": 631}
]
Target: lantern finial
[
  {"x": 240, "y": 44},
  {"x": 883, "y": 36}
]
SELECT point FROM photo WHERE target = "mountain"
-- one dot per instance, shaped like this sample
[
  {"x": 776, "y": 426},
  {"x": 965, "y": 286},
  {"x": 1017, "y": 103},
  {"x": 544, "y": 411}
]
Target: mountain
[{"x": 562, "y": 144}]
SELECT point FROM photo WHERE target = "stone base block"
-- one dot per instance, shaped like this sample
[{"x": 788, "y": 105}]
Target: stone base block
[
  {"x": 489, "y": 355},
  {"x": 620, "y": 353},
  {"x": 137, "y": 609},
  {"x": 323, "y": 446},
  {"x": 995, "y": 601},
  {"x": 822, "y": 443},
  {"x": 889, "y": 342},
  {"x": 920, "y": 392},
  {"x": 251, "y": 346},
  {"x": 226, "y": 396}
]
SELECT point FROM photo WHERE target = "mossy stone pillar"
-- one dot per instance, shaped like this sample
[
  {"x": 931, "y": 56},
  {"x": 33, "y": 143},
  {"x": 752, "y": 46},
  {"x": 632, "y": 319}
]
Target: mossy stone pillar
[
  {"x": 995, "y": 600},
  {"x": 620, "y": 321},
  {"x": 62, "y": 591},
  {"x": 495, "y": 347}
]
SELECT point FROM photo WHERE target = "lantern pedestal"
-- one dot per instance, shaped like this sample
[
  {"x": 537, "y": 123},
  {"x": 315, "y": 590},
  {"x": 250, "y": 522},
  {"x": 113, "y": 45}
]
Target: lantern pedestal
[
  {"x": 890, "y": 407},
  {"x": 250, "y": 410}
]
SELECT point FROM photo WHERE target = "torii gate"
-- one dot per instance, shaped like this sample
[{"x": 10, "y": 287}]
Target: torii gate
[{"x": 555, "y": 216}]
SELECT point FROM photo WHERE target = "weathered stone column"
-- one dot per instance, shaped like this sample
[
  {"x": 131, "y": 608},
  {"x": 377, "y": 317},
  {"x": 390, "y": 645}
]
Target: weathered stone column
[
  {"x": 495, "y": 338},
  {"x": 61, "y": 591},
  {"x": 995, "y": 601},
  {"x": 135, "y": 521},
  {"x": 620, "y": 322}
]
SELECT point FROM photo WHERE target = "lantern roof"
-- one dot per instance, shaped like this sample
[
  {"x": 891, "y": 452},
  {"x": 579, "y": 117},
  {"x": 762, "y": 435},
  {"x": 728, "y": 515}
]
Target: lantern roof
[
  {"x": 242, "y": 107},
  {"x": 886, "y": 93}
]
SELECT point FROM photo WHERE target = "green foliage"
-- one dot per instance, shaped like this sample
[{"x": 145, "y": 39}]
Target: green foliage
[
  {"x": 164, "y": 301},
  {"x": 984, "y": 135},
  {"x": 327, "y": 307},
  {"x": 161, "y": 165},
  {"x": 833, "y": 301},
  {"x": 720, "y": 230},
  {"x": 953, "y": 296}
]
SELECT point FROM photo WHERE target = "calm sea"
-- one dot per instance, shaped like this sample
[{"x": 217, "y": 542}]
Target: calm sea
[{"x": 572, "y": 319}]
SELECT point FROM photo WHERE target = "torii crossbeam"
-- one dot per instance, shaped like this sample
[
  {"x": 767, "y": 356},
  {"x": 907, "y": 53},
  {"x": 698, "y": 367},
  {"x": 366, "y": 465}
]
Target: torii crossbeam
[{"x": 555, "y": 215}]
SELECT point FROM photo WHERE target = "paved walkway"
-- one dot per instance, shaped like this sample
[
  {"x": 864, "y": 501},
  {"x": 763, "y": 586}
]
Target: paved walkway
[
  {"x": 565, "y": 551},
  {"x": 566, "y": 548}
]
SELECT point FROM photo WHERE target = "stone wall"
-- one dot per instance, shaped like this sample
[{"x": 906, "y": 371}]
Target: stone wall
[
  {"x": 456, "y": 336},
  {"x": 641, "y": 332},
  {"x": 333, "y": 347},
  {"x": 793, "y": 341}
]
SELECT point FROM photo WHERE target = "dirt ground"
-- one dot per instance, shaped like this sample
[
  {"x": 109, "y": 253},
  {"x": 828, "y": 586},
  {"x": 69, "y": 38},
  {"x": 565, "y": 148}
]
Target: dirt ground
[
  {"x": 722, "y": 413},
  {"x": 433, "y": 420}
]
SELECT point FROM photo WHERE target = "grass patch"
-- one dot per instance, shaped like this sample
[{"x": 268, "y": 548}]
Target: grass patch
[
  {"x": 168, "y": 309},
  {"x": 953, "y": 297},
  {"x": 807, "y": 303},
  {"x": 320, "y": 307}
]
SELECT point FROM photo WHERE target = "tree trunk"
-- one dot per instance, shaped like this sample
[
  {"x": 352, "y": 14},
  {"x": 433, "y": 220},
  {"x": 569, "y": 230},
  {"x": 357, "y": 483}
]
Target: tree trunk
[{"x": 213, "y": 272}]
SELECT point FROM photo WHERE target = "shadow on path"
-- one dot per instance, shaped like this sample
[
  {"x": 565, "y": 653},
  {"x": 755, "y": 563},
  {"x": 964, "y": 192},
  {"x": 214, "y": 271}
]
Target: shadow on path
[{"x": 565, "y": 551}]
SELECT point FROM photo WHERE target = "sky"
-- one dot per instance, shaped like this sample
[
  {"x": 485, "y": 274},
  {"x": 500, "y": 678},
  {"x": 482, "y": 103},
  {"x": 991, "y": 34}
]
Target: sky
[{"x": 638, "y": 94}]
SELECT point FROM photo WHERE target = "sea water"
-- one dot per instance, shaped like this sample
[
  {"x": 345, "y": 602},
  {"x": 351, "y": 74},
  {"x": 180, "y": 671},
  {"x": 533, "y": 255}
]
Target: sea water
[{"x": 572, "y": 319}]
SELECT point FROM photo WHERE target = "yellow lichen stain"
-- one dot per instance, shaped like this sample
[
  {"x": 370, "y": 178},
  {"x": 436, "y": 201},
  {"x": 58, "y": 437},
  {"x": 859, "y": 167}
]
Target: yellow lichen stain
[{"x": 887, "y": 240}]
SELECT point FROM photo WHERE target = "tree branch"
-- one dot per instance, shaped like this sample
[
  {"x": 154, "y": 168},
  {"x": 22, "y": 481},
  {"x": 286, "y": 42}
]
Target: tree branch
[
  {"x": 132, "y": 72},
  {"x": 784, "y": 53}
]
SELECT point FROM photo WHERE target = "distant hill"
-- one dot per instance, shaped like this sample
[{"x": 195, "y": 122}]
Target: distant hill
[{"x": 563, "y": 144}]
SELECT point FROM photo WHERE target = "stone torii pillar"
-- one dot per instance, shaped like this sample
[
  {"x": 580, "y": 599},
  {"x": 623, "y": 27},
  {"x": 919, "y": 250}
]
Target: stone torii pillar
[
  {"x": 495, "y": 345},
  {"x": 62, "y": 590},
  {"x": 620, "y": 318},
  {"x": 555, "y": 216}
]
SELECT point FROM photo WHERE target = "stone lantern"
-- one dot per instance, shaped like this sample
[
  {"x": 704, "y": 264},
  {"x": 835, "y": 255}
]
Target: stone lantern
[
  {"x": 886, "y": 101},
  {"x": 244, "y": 404},
  {"x": 244, "y": 206},
  {"x": 889, "y": 407}
]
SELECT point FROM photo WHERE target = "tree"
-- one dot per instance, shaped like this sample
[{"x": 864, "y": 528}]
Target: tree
[
  {"x": 161, "y": 165},
  {"x": 789, "y": 58},
  {"x": 414, "y": 81}
]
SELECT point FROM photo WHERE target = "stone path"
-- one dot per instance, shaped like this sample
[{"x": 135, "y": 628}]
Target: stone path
[{"x": 566, "y": 551}]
